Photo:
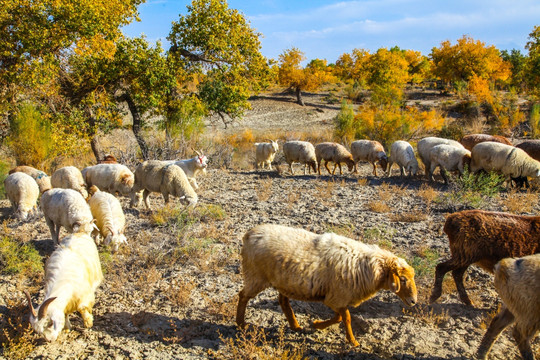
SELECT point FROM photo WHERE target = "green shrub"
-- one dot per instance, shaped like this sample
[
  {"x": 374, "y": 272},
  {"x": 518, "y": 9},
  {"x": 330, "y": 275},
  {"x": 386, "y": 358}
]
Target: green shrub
[
  {"x": 18, "y": 258},
  {"x": 534, "y": 121},
  {"x": 473, "y": 189},
  {"x": 4, "y": 169}
]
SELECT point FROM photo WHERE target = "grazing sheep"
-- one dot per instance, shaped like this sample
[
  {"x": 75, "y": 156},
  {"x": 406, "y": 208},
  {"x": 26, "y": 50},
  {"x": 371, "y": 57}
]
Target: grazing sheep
[
  {"x": 425, "y": 145},
  {"x": 469, "y": 141},
  {"x": 43, "y": 180},
  {"x": 484, "y": 238},
  {"x": 22, "y": 192},
  {"x": 338, "y": 271},
  {"x": 448, "y": 158},
  {"x": 192, "y": 167},
  {"x": 167, "y": 179},
  {"x": 531, "y": 147},
  {"x": 371, "y": 151},
  {"x": 67, "y": 208},
  {"x": 402, "y": 154},
  {"x": 265, "y": 153},
  {"x": 69, "y": 177},
  {"x": 508, "y": 160},
  {"x": 518, "y": 283},
  {"x": 302, "y": 152},
  {"x": 113, "y": 178},
  {"x": 108, "y": 159},
  {"x": 72, "y": 275},
  {"x": 110, "y": 218},
  {"x": 334, "y": 152}
]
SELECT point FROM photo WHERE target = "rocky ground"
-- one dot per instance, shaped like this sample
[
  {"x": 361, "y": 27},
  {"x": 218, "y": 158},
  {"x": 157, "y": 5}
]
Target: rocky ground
[{"x": 172, "y": 291}]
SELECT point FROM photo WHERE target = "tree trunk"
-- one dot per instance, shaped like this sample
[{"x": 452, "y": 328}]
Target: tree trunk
[
  {"x": 137, "y": 120},
  {"x": 96, "y": 147},
  {"x": 299, "y": 99}
]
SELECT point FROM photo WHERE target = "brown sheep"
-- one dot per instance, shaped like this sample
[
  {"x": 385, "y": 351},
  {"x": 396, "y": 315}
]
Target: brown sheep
[
  {"x": 108, "y": 159},
  {"x": 469, "y": 141},
  {"x": 484, "y": 238},
  {"x": 531, "y": 147},
  {"x": 336, "y": 153}
]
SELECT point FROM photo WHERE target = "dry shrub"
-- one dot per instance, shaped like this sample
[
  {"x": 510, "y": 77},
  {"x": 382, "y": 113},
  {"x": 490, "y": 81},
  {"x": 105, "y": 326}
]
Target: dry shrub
[
  {"x": 347, "y": 230},
  {"x": 264, "y": 189},
  {"x": 384, "y": 192},
  {"x": 363, "y": 182},
  {"x": 147, "y": 281},
  {"x": 179, "y": 291},
  {"x": 292, "y": 198},
  {"x": 428, "y": 314},
  {"x": 428, "y": 194},
  {"x": 517, "y": 203},
  {"x": 221, "y": 310},
  {"x": 378, "y": 206},
  {"x": 16, "y": 336},
  {"x": 398, "y": 191},
  {"x": 409, "y": 216}
]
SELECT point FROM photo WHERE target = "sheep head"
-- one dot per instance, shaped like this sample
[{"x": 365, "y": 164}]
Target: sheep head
[
  {"x": 45, "y": 321},
  {"x": 350, "y": 163},
  {"x": 383, "y": 161},
  {"x": 275, "y": 146},
  {"x": 400, "y": 280},
  {"x": 115, "y": 239}
]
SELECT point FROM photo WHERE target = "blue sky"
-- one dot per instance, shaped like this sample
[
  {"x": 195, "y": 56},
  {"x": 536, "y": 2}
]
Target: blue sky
[{"x": 327, "y": 29}]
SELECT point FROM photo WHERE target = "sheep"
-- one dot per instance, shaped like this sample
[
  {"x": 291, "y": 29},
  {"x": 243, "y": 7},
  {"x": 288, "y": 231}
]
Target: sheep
[
  {"x": 333, "y": 269},
  {"x": 371, "y": 151},
  {"x": 518, "y": 283},
  {"x": 402, "y": 154},
  {"x": 72, "y": 275},
  {"x": 67, "y": 208},
  {"x": 531, "y": 147},
  {"x": 108, "y": 159},
  {"x": 22, "y": 192},
  {"x": 167, "y": 179},
  {"x": 192, "y": 167},
  {"x": 42, "y": 179},
  {"x": 484, "y": 238},
  {"x": 469, "y": 141},
  {"x": 424, "y": 148},
  {"x": 334, "y": 152},
  {"x": 110, "y": 218},
  {"x": 265, "y": 153},
  {"x": 448, "y": 158},
  {"x": 300, "y": 151},
  {"x": 113, "y": 178},
  {"x": 508, "y": 160},
  {"x": 69, "y": 177}
]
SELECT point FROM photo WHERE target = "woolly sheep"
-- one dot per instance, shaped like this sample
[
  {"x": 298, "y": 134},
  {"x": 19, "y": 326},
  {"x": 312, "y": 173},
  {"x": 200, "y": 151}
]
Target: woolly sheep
[
  {"x": 108, "y": 159},
  {"x": 167, "y": 179},
  {"x": 302, "y": 152},
  {"x": 192, "y": 167},
  {"x": 72, "y": 275},
  {"x": 113, "y": 178},
  {"x": 469, "y": 141},
  {"x": 425, "y": 145},
  {"x": 42, "y": 179},
  {"x": 69, "y": 177},
  {"x": 265, "y": 153},
  {"x": 402, "y": 154},
  {"x": 67, "y": 208},
  {"x": 334, "y": 152},
  {"x": 448, "y": 158},
  {"x": 109, "y": 216},
  {"x": 508, "y": 160},
  {"x": 371, "y": 151},
  {"x": 518, "y": 283},
  {"x": 531, "y": 147},
  {"x": 338, "y": 271},
  {"x": 22, "y": 192},
  {"x": 484, "y": 238}
]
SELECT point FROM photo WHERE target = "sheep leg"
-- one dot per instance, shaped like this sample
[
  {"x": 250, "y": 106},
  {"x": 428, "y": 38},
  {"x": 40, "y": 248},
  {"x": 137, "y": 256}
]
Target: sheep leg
[
  {"x": 288, "y": 311},
  {"x": 145, "y": 199},
  {"x": 241, "y": 309},
  {"x": 166, "y": 197},
  {"x": 440, "y": 270},
  {"x": 327, "y": 168},
  {"x": 389, "y": 169},
  {"x": 57, "y": 233},
  {"x": 374, "y": 169},
  {"x": 346, "y": 317},
  {"x": 292, "y": 172},
  {"x": 498, "y": 324},
  {"x": 88, "y": 319},
  {"x": 458, "y": 274},
  {"x": 323, "y": 324},
  {"x": 50, "y": 224},
  {"x": 401, "y": 170},
  {"x": 523, "y": 342},
  {"x": 319, "y": 167},
  {"x": 443, "y": 174}
]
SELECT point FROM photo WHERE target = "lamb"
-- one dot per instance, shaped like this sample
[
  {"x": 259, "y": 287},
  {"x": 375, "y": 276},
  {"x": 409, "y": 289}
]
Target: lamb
[
  {"x": 334, "y": 152},
  {"x": 484, "y": 238},
  {"x": 265, "y": 153},
  {"x": 333, "y": 269},
  {"x": 531, "y": 147},
  {"x": 42, "y": 179},
  {"x": 110, "y": 218},
  {"x": 518, "y": 283},
  {"x": 192, "y": 167},
  {"x": 425, "y": 145},
  {"x": 72, "y": 275},
  {"x": 302, "y": 152},
  {"x": 469, "y": 141},
  {"x": 448, "y": 158},
  {"x": 22, "y": 192},
  {"x": 167, "y": 179},
  {"x": 508, "y": 160},
  {"x": 67, "y": 208},
  {"x": 371, "y": 151},
  {"x": 402, "y": 154},
  {"x": 113, "y": 178},
  {"x": 69, "y": 177}
]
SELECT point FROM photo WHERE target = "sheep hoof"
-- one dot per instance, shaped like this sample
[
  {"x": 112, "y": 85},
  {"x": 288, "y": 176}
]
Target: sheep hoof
[{"x": 296, "y": 328}]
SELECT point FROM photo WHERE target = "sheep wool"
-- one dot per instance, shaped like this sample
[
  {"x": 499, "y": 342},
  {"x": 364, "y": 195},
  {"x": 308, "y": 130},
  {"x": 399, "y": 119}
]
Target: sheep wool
[
  {"x": 469, "y": 141},
  {"x": 265, "y": 153},
  {"x": 22, "y": 192},
  {"x": 109, "y": 216},
  {"x": 113, "y": 178},
  {"x": 448, "y": 158},
  {"x": 370, "y": 151},
  {"x": 425, "y": 145},
  {"x": 402, "y": 154},
  {"x": 302, "y": 152},
  {"x": 334, "y": 152},
  {"x": 42, "y": 179},
  {"x": 69, "y": 177}
]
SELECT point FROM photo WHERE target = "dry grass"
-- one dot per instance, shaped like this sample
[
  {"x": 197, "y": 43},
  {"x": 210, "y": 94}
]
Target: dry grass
[
  {"x": 179, "y": 291},
  {"x": 409, "y": 216},
  {"x": 518, "y": 203},
  {"x": 428, "y": 314},
  {"x": 292, "y": 198},
  {"x": 484, "y": 324},
  {"x": 378, "y": 206},
  {"x": 363, "y": 182},
  {"x": 428, "y": 194},
  {"x": 264, "y": 189},
  {"x": 384, "y": 192},
  {"x": 16, "y": 334}
]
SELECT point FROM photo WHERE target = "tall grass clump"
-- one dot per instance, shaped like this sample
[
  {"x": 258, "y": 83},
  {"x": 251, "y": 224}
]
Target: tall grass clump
[{"x": 534, "y": 120}]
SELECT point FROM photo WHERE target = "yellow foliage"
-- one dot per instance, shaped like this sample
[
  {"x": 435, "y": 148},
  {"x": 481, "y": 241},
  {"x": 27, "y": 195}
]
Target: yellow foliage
[{"x": 479, "y": 89}]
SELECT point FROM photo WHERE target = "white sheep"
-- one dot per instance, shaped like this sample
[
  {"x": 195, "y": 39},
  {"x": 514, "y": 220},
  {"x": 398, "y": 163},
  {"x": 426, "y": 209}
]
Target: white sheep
[
  {"x": 69, "y": 177},
  {"x": 448, "y": 158},
  {"x": 265, "y": 153},
  {"x": 113, "y": 178},
  {"x": 508, "y": 160},
  {"x": 402, "y": 154},
  {"x": 338, "y": 271},
  {"x": 67, "y": 208},
  {"x": 337, "y": 153},
  {"x": 425, "y": 145},
  {"x": 22, "y": 192},
  {"x": 42, "y": 179},
  {"x": 370, "y": 151},
  {"x": 109, "y": 216},
  {"x": 302, "y": 152},
  {"x": 192, "y": 167},
  {"x": 167, "y": 179},
  {"x": 518, "y": 283},
  {"x": 72, "y": 275}
]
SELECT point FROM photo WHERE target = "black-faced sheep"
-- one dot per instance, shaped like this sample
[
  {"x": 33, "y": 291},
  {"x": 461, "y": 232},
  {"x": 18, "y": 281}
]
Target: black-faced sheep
[
  {"x": 302, "y": 152},
  {"x": 370, "y": 151},
  {"x": 469, "y": 141},
  {"x": 334, "y": 152},
  {"x": 402, "y": 154}
]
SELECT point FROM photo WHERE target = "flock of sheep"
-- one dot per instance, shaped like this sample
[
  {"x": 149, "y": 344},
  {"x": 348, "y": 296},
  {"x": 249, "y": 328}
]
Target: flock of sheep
[{"x": 335, "y": 270}]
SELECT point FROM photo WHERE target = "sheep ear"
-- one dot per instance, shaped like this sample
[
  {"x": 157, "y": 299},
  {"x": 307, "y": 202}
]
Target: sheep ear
[
  {"x": 125, "y": 178},
  {"x": 76, "y": 227},
  {"x": 393, "y": 281}
]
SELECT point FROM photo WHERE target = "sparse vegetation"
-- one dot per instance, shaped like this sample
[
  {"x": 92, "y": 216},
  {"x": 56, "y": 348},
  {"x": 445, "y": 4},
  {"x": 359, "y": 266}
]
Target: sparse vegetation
[{"x": 18, "y": 258}]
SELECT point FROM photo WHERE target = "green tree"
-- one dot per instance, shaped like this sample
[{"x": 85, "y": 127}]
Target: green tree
[
  {"x": 518, "y": 62},
  {"x": 533, "y": 62}
]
